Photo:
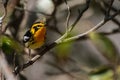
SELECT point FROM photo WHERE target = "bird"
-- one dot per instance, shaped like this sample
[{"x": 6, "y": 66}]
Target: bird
[{"x": 35, "y": 37}]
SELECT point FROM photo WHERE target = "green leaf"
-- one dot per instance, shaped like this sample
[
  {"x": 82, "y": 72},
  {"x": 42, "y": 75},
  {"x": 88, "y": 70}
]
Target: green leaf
[
  {"x": 9, "y": 45},
  {"x": 99, "y": 70},
  {"x": 104, "y": 45},
  {"x": 107, "y": 75},
  {"x": 63, "y": 50},
  {"x": 104, "y": 73}
]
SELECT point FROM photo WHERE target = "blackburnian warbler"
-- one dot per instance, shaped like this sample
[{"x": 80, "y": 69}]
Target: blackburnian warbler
[{"x": 35, "y": 37}]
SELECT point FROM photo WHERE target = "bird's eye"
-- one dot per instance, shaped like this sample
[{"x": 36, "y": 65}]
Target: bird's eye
[{"x": 36, "y": 27}]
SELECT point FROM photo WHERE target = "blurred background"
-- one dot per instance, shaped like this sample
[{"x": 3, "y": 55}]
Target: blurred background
[{"x": 95, "y": 57}]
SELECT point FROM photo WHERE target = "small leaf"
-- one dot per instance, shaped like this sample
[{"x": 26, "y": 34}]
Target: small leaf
[
  {"x": 7, "y": 48},
  {"x": 9, "y": 45},
  {"x": 104, "y": 45},
  {"x": 63, "y": 50},
  {"x": 106, "y": 75},
  {"x": 99, "y": 70}
]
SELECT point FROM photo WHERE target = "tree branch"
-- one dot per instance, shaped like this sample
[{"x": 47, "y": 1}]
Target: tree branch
[{"x": 34, "y": 59}]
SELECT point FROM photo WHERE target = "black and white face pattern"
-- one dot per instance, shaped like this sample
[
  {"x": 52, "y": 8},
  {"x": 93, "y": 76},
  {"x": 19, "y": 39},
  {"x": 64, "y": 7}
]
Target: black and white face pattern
[{"x": 27, "y": 36}]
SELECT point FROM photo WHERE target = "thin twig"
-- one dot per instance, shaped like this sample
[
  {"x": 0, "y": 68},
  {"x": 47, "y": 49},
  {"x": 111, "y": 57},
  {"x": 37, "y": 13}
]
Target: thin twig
[
  {"x": 81, "y": 13},
  {"x": 67, "y": 25},
  {"x": 68, "y": 16},
  {"x": 114, "y": 15},
  {"x": 109, "y": 9},
  {"x": 115, "y": 31},
  {"x": 116, "y": 22}
]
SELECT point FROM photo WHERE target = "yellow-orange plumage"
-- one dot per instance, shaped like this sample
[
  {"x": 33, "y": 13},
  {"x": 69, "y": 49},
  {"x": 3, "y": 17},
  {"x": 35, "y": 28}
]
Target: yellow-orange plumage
[{"x": 37, "y": 36}]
